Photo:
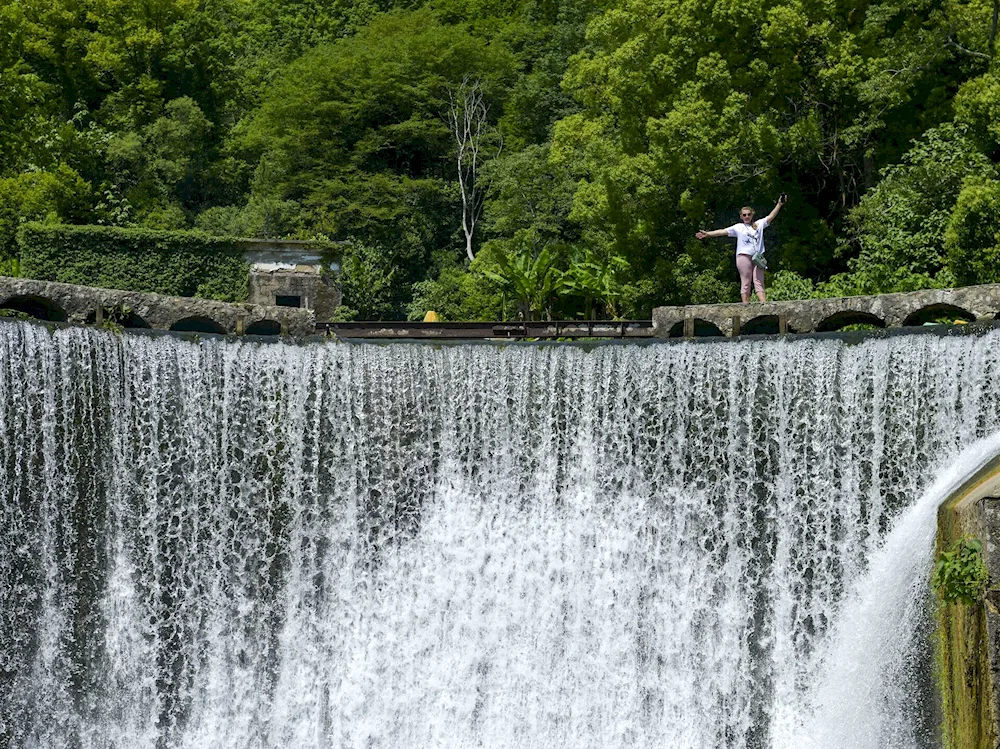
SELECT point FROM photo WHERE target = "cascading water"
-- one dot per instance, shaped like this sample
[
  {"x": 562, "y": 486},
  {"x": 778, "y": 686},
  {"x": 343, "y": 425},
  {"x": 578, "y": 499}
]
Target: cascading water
[
  {"x": 233, "y": 544},
  {"x": 867, "y": 662}
]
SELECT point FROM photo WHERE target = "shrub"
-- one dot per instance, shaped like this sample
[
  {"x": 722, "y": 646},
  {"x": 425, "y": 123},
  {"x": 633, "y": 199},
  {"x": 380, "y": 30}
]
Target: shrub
[
  {"x": 960, "y": 575},
  {"x": 176, "y": 263}
]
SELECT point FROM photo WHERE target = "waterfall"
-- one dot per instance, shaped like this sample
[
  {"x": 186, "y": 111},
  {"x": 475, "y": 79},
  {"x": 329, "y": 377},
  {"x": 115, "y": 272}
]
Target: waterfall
[
  {"x": 227, "y": 543},
  {"x": 867, "y": 662}
]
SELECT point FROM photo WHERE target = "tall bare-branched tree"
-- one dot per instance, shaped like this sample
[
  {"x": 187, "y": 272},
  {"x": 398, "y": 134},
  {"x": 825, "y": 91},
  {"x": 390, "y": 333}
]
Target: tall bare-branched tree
[{"x": 476, "y": 140}]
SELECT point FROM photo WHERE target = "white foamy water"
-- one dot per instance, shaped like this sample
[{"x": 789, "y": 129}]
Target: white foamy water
[
  {"x": 873, "y": 654},
  {"x": 232, "y": 544}
]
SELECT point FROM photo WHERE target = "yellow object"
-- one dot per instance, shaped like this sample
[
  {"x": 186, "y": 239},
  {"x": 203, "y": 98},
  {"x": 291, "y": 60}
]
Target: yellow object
[
  {"x": 961, "y": 322},
  {"x": 431, "y": 316}
]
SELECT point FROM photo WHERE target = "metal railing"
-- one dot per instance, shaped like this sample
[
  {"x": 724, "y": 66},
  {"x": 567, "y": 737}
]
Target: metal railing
[{"x": 484, "y": 330}]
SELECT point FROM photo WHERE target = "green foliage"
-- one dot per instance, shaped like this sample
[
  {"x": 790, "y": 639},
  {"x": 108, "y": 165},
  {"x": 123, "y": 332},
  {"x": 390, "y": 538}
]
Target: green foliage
[
  {"x": 597, "y": 280},
  {"x": 14, "y": 314},
  {"x": 460, "y": 291},
  {"x": 977, "y": 108},
  {"x": 355, "y": 133},
  {"x": 172, "y": 263},
  {"x": 367, "y": 283},
  {"x": 900, "y": 224},
  {"x": 157, "y": 169},
  {"x": 627, "y": 125},
  {"x": 972, "y": 239},
  {"x": 534, "y": 283},
  {"x": 786, "y": 285},
  {"x": 960, "y": 574},
  {"x": 51, "y": 196}
]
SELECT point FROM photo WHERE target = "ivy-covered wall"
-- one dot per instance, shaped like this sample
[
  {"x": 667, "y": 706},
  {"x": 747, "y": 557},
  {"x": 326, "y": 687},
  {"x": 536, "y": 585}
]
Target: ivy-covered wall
[{"x": 176, "y": 263}]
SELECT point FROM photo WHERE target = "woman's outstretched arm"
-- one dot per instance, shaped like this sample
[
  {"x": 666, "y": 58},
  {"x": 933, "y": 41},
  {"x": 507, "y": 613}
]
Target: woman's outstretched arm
[
  {"x": 702, "y": 234},
  {"x": 774, "y": 211}
]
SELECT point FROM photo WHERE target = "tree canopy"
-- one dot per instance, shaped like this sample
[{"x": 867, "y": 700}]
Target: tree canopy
[{"x": 615, "y": 130}]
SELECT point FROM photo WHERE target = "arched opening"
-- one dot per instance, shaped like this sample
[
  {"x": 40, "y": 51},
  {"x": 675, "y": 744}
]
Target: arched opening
[
  {"x": 264, "y": 327},
  {"x": 119, "y": 315},
  {"x": 702, "y": 329},
  {"x": 198, "y": 324},
  {"x": 35, "y": 306},
  {"x": 850, "y": 318},
  {"x": 706, "y": 329},
  {"x": 938, "y": 314},
  {"x": 762, "y": 325}
]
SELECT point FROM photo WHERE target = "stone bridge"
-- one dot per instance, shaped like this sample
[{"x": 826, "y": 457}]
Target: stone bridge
[
  {"x": 61, "y": 302},
  {"x": 820, "y": 315}
]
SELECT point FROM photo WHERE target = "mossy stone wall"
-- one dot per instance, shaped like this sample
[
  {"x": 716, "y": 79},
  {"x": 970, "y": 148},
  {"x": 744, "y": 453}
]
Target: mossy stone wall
[{"x": 967, "y": 646}]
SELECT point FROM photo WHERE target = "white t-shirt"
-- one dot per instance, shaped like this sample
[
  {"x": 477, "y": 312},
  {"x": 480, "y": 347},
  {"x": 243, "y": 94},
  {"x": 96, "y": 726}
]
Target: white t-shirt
[{"x": 748, "y": 240}]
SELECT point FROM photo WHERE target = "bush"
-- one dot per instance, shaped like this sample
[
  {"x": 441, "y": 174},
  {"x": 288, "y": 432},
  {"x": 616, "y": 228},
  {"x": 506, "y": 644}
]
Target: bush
[
  {"x": 459, "y": 292},
  {"x": 960, "y": 574},
  {"x": 367, "y": 281},
  {"x": 786, "y": 285},
  {"x": 176, "y": 263}
]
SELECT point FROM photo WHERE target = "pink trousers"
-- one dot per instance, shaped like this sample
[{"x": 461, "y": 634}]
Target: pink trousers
[{"x": 749, "y": 271}]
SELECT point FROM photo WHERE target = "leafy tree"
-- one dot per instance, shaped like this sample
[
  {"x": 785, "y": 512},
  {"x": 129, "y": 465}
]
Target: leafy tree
[
  {"x": 158, "y": 168},
  {"x": 900, "y": 224},
  {"x": 57, "y": 196},
  {"x": 368, "y": 283},
  {"x": 977, "y": 108},
  {"x": 358, "y": 132},
  {"x": 972, "y": 237},
  {"x": 689, "y": 109},
  {"x": 626, "y": 126},
  {"x": 597, "y": 281},
  {"x": 788, "y": 285},
  {"x": 534, "y": 283},
  {"x": 529, "y": 202},
  {"x": 460, "y": 291}
]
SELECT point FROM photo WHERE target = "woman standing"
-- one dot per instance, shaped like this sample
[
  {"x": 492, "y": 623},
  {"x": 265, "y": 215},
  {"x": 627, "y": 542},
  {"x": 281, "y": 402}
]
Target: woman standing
[{"x": 749, "y": 236}]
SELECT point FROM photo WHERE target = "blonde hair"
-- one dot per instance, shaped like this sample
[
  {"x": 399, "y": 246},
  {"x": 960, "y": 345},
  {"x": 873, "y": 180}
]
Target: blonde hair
[{"x": 753, "y": 213}]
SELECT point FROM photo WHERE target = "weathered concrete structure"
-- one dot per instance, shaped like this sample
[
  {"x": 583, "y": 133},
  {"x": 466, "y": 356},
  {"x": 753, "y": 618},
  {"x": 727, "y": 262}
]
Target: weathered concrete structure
[
  {"x": 307, "y": 289},
  {"x": 819, "y": 315},
  {"x": 289, "y": 273},
  {"x": 61, "y": 302}
]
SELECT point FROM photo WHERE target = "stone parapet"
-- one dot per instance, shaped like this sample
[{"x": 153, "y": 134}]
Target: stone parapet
[
  {"x": 819, "y": 315},
  {"x": 86, "y": 304}
]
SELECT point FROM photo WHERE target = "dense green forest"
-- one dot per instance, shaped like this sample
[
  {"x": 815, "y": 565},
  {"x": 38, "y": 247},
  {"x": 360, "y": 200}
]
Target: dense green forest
[{"x": 489, "y": 158}]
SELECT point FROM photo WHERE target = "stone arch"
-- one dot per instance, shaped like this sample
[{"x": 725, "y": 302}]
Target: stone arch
[
  {"x": 933, "y": 312},
  {"x": 198, "y": 324},
  {"x": 123, "y": 316},
  {"x": 760, "y": 325},
  {"x": 676, "y": 330},
  {"x": 840, "y": 320},
  {"x": 264, "y": 327},
  {"x": 36, "y": 306}
]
